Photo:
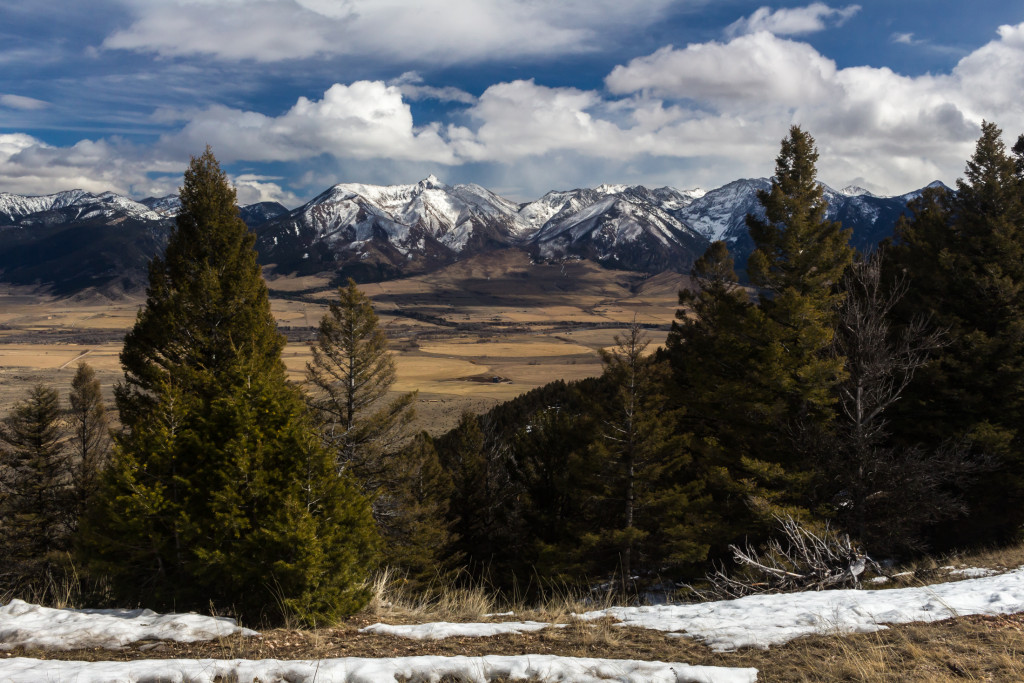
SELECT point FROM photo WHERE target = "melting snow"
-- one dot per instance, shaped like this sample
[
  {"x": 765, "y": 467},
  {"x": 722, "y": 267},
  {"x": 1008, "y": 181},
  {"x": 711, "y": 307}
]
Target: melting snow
[
  {"x": 361, "y": 670},
  {"x": 764, "y": 620},
  {"x": 26, "y": 625},
  {"x": 442, "y": 629}
]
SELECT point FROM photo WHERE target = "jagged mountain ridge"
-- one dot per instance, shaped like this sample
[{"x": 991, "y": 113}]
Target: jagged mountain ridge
[
  {"x": 76, "y": 239},
  {"x": 377, "y": 232}
]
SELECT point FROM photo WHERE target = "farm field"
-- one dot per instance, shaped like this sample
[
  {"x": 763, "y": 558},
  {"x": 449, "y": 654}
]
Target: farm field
[{"x": 468, "y": 337}]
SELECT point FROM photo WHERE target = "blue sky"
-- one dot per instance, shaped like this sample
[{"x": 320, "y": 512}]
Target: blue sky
[{"x": 520, "y": 96}]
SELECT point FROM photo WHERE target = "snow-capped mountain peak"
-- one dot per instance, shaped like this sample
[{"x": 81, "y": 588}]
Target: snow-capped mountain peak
[{"x": 856, "y": 191}]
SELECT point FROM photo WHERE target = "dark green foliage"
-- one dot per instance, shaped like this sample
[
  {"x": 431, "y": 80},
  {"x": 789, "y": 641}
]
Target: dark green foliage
[
  {"x": 964, "y": 256},
  {"x": 37, "y": 501},
  {"x": 367, "y": 432},
  {"x": 648, "y": 499},
  {"x": 757, "y": 380},
  {"x": 218, "y": 491},
  {"x": 89, "y": 440},
  {"x": 484, "y": 505},
  {"x": 799, "y": 261},
  {"x": 418, "y": 532}
]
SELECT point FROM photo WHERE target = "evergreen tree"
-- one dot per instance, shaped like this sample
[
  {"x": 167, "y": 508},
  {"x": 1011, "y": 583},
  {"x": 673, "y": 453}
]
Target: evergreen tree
[
  {"x": 89, "y": 434},
  {"x": 352, "y": 373},
  {"x": 713, "y": 354},
  {"x": 798, "y": 263},
  {"x": 218, "y": 492},
  {"x": 484, "y": 509},
  {"x": 964, "y": 256},
  {"x": 758, "y": 380},
  {"x": 37, "y": 511},
  {"x": 418, "y": 533},
  {"x": 647, "y": 520}
]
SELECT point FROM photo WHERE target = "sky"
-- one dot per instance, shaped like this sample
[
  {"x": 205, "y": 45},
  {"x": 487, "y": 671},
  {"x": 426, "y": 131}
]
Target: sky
[{"x": 520, "y": 96}]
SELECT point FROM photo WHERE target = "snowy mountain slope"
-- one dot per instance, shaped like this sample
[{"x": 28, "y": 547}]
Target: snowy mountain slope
[
  {"x": 372, "y": 232},
  {"x": 167, "y": 206},
  {"x": 721, "y": 214},
  {"x": 68, "y": 206},
  {"x": 624, "y": 228},
  {"x": 70, "y": 241}
]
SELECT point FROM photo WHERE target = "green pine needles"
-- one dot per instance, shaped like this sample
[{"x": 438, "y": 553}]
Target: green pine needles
[{"x": 219, "y": 491}]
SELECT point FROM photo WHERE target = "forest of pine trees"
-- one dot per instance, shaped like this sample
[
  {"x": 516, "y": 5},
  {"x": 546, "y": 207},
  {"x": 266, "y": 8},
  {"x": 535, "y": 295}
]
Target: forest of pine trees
[{"x": 879, "y": 393}]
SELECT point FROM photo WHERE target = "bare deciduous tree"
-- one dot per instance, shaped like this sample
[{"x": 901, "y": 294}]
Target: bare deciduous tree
[{"x": 883, "y": 494}]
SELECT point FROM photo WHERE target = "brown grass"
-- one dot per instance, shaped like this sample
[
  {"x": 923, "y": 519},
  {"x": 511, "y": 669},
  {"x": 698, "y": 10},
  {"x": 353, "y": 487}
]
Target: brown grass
[
  {"x": 975, "y": 648},
  {"x": 970, "y": 648}
]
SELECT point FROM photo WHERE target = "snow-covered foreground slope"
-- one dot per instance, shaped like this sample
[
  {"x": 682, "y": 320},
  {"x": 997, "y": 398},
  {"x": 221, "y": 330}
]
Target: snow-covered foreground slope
[
  {"x": 765, "y": 620},
  {"x": 365, "y": 670}
]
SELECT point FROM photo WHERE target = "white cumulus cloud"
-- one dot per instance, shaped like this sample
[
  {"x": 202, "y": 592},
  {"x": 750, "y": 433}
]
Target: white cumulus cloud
[
  {"x": 792, "y": 21},
  {"x": 366, "y": 119},
  {"x": 716, "y": 110}
]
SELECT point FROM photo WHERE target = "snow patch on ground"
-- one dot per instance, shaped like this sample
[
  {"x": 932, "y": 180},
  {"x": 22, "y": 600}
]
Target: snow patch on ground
[
  {"x": 353, "y": 670},
  {"x": 973, "y": 572},
  {"x": 442, "y": 629},
  {"x": 32, "y": 626},
  {"x": 764, "y": 620}
]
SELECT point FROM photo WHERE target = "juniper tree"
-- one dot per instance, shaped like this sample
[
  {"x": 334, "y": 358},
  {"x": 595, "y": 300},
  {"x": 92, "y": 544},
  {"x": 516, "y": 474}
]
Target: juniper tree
[
  {"x": 37, "y": 504},
  {"x": 218, "y": 490}
]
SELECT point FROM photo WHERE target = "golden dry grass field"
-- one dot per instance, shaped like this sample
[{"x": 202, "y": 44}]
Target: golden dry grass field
[{"x": 474, "y": 334}]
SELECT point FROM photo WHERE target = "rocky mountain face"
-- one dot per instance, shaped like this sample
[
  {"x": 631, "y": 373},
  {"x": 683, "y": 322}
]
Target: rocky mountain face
[
  {"x": 75, "y": 240},
  {"x": 72, "y": 240},
  {"x": 373, "y": 232}
]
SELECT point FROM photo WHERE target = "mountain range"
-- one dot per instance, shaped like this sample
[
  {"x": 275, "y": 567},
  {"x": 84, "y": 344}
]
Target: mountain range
[{"x": 73, "y": 240}]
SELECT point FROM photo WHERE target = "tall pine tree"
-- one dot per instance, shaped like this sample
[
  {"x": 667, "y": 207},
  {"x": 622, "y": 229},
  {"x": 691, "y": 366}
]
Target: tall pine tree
[
  {"x": 799, "y": 260},
  {"x": 757, "y": 378},
  {"x": 352, "y": 373},
  {"x": 218, "y": 491}
]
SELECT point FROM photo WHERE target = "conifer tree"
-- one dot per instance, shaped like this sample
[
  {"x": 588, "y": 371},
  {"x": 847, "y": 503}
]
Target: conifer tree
[
  {"x": 964, "y": 256},
  {"x": 418, "y": 532},
  {"x": 37, "y": 511},
  {"x": 352, "y": 373},
  {"x": 713, "y": 353},
  {"x": 757, "y": 379},
  {"x": 798, "y": 263},
  {"x": 484, "y": 504},
  {"x": 218, "y": 491},
  {"x": 89, "y": 434},
  {"x": 648, "y": 519}
]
